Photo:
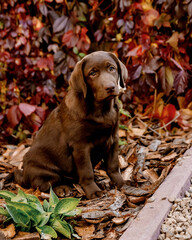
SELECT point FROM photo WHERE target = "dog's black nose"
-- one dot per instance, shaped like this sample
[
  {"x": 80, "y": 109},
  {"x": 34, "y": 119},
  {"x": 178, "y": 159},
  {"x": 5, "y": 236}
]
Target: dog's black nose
[{"x": 110, "y": 88}]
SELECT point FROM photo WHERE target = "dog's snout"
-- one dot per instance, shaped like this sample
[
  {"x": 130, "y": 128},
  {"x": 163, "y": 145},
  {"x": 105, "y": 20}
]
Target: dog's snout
[{"x": 110, "y": 88}]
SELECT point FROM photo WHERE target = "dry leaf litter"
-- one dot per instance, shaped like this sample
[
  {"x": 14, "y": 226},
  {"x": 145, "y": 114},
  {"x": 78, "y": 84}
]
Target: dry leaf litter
[{"x": 144, "y": 162}]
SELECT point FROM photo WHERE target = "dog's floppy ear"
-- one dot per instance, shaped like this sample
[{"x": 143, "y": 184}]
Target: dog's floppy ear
[
  {"x": 77, "y": 81},
  {"x": 122, "y": 70}
]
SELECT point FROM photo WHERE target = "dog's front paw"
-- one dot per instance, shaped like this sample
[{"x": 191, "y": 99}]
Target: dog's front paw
[
  {"x": 63, "y": 190},
  {"x": 96, "y": 194},
  {"x": 92, "y": 191},
  {"x": 117, "y": 179}
]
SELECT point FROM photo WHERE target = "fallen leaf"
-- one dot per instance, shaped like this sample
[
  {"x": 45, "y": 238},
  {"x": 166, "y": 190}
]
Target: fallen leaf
[
  {"x": 119, "y": 221},
  {"x": 153, "y": 156},
  {"x": 122, "y": 162},
  {"x": 111, "y": 235},
  {"x": 9, "y": 231},
  {"x": 136, "y": 199},
  {"x": 169, "y": 157},
  {"x": 137, "y": 192},
  {"x": 128, "y": 173},
  {"x": 27, "y": 236},
  {"x": 18, "y": 155},
  {"x": 154, "y": 145},
  {"x": 151, "y": 175},
  {"x": 122, "y": 133},
  {"x": 150, "y": 16},
  {"x": 85, "y": 231},
  {"x": 173, "y": 40},
  {"x": 136, "y": 132}
]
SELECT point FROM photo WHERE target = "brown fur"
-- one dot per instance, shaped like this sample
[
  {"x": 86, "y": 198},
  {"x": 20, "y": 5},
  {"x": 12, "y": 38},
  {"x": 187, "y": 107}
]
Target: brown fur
[{"x": 81, "y": 131}]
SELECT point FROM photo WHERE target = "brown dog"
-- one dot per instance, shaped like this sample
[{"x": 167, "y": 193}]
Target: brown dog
[{"x": 81, "y": 131}]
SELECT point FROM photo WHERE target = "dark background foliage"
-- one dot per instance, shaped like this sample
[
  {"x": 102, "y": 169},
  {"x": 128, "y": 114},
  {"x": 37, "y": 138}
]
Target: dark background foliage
[{"x": 41, "y": 41}]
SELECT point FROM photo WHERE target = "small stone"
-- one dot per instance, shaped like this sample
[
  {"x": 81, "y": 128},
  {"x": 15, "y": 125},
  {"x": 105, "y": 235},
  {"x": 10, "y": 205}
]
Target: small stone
[
  {"x": 186, "y": 224},
  {"x": 187, "y": 236},
  {"x": 161, "y": 236},
  {"x": 169, "y": 234},
  {"x": 151, "y": 199},
  {"x": 180, "y": 219},
  {"x": 190, "y": 190},
  {"x": 178, "y": 236},
  {"x": 189, "y": 230},
  {"x": 178, "y": 229},
  {"x": 164, "y": 228},
  {"x": 187, "y": 194}
]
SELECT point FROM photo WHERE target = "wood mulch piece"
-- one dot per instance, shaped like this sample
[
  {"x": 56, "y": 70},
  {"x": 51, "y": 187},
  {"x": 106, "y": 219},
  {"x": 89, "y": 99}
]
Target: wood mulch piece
[{"x": 144, "y": 162}]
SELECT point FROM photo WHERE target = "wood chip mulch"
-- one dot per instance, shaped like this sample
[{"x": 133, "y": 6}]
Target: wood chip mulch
[{"x": 144, "y": 162}]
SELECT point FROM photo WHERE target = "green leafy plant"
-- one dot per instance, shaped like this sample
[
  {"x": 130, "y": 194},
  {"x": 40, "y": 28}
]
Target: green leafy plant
[{"x": 29, "y": 214}]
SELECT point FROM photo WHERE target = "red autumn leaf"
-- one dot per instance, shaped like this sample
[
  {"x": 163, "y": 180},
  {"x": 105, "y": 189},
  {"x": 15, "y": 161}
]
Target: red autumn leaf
[
  {"x": 36, "y": 121},
  {"x": 168, "y": 114},
  {"x": 59, "y": 24},
  {"x": 166, "y": 79},
  {"x": 137, "y": 73},
  {"x": 37, "y": 24},
  {"x": 137, "y": 51},
  {"x": 50, "y": 62},
  {"x": 42, "y": 63},
  {"x": 67, "y": 38},
  {"x": 41, "y": 113},
  {"x": 98, "y": 35},
  {"x": 150, "y": 16},
  {"x": 181, "y": 82},
  {"x": 14, "y": 116},
  {"x": 188, "y": 97},
  {"x": 27, "y": 109}
]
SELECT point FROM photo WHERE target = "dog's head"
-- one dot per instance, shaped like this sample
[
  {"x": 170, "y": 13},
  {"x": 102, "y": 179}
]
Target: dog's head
[{"x": 101, "y": 73}]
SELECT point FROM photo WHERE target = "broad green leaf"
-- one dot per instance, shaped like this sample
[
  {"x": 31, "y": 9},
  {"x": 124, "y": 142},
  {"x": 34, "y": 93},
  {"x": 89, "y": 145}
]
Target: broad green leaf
[
  {"x": 37, "y": 207},
  {"x": 66, "y": 205},
  {"x": 47, "y": 230},
  {"x": 34, "y": 202},
  {"x": 20, "y": 197},
  {"x": 32, "y": 198},
  {"x": 34, "y": 214},
  {"x": 18, "y": 216},
  {"x": 46, "y": 205},
  {"x": 74, "y": 212},
  {"x": 61, "y": 227},
  {"x": 53, "y": 200},
  {"x": 4, "y": 212},
  {"x": 125, "y": 112},
  {"x": 45, "y": 219},
  {"x": 6, "y": 194}
]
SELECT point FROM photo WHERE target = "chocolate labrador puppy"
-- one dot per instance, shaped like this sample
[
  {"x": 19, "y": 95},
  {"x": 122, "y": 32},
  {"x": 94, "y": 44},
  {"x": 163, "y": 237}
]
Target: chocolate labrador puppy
[{"x": 81, "y": 131}]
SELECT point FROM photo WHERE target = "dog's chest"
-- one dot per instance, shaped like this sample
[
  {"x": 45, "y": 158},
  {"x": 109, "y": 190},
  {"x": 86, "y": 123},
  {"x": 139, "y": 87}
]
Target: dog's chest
[{"x": 100, "y": 134}]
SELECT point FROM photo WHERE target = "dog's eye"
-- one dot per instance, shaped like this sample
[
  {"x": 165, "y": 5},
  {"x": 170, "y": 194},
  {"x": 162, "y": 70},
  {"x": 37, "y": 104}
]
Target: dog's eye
[
  {"x": 111, "y": 68},
  {"x": 93, "y": 73}
]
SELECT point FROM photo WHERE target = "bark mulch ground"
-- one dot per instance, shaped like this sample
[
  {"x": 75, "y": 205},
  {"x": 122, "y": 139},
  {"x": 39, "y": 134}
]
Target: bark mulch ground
[{"x": 145, "y": 162}]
